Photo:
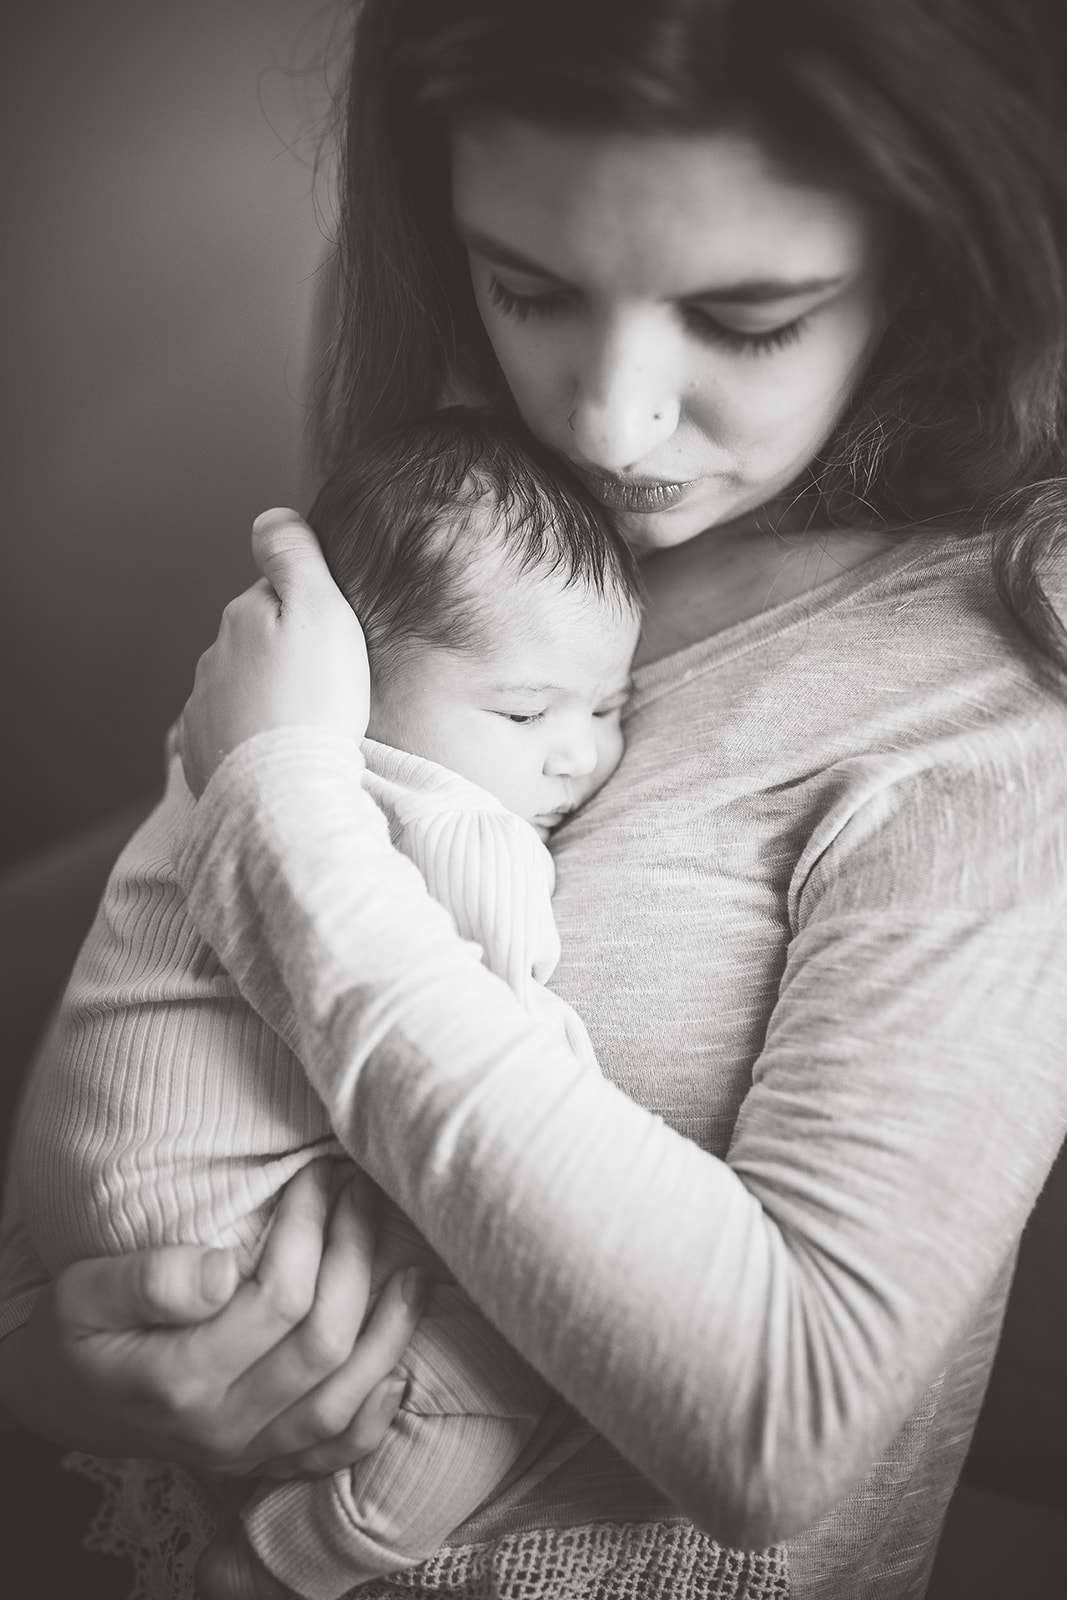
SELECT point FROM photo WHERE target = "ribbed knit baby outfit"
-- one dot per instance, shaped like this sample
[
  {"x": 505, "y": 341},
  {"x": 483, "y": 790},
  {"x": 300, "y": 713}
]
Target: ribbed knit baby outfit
[{"x": 166, "y": 1110}]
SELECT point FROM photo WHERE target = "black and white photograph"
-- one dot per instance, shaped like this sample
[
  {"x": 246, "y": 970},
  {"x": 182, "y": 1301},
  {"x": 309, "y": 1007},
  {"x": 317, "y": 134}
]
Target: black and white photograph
[{"x": 534, "y": 869}]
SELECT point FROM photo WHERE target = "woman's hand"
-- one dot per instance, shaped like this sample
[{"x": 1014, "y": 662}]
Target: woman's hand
[
  {"x": 163, "y": 1354},
  {"x": 289, "y": 650}
]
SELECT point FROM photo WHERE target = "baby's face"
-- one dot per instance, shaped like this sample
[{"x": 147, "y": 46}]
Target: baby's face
[{"x": 534, "y": 717}]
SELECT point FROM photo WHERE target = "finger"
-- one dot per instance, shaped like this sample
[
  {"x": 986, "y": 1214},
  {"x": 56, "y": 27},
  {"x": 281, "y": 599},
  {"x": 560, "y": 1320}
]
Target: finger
[
  {"x": 287, "y": 553},
  {"x": 269, "y": 1305},
  {"x": 324, "y": 1339},
  {"x": 250, "y": 616},
  {"x": 330, "y": 1409},
  {"x": 168, "y": 1286},
  {"x": 342, "y": 1292},
  {"x": 364, "y": 1433}
]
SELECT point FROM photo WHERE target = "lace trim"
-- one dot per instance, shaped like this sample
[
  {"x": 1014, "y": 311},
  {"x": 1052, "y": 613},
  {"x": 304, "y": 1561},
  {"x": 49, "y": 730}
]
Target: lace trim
[
  {"x": 153, "y": 1513},
  {"x": 160, "y": 1517},
  {"x": 596, "y": 1561}
]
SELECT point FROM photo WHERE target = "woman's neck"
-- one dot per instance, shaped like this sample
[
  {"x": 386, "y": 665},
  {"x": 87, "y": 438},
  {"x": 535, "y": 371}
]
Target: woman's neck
[{"x": 731, "y": 573}]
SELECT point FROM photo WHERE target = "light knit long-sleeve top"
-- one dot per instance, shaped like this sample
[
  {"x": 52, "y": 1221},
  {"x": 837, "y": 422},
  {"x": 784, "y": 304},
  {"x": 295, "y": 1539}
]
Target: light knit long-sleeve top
[
  {"x": 815, "y": 925},
  {"x": 165, "y": 1110}
]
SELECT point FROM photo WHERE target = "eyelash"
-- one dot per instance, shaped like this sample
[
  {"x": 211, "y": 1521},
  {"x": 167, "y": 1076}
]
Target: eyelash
[
  {"x": 524, "y": 719},
  {"x": 521, "y": 306}
]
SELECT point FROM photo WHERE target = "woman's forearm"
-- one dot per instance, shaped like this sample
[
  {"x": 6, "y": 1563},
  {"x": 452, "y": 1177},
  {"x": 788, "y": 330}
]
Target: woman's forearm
[{"x": 750, "y": 1333}]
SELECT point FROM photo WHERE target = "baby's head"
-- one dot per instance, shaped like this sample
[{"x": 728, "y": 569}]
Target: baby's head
[{"x": 500, "y": 607}]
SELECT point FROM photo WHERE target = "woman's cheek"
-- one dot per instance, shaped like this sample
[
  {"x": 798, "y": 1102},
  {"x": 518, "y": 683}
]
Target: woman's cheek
[
  {"x": 534, "y": 366},
  {"x": 795, "y": 395}
]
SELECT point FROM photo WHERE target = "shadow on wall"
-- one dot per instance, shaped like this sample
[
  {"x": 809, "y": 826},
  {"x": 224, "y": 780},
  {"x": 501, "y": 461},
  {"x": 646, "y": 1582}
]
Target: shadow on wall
[{"x": 162, "y": 245}]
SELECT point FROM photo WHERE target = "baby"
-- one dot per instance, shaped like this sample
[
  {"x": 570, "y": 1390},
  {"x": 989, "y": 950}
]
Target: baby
[{"x": 501, "y": 612}]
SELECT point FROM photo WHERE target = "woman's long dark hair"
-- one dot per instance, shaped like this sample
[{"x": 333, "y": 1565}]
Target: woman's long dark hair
[{"x": 946, "y": 113}]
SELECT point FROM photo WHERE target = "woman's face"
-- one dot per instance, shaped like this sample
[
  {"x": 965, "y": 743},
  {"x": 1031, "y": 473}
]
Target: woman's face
[{"x": 673, "y": 315}]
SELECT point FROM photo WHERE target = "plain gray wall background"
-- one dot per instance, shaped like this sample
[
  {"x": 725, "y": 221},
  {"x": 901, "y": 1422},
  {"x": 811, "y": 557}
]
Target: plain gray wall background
[{"x": 162, "y": 246}]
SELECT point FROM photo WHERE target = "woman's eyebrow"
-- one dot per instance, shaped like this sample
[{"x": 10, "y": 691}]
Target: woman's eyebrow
[
  {"x": 754, "y": 291},
  {"x": 757, "y": 291},
  {"x": 502, "y": 254}
]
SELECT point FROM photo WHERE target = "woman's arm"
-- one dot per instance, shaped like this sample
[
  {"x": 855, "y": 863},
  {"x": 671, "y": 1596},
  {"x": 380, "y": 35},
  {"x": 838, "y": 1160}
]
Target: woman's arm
[{"x": 752, "y": 1333}]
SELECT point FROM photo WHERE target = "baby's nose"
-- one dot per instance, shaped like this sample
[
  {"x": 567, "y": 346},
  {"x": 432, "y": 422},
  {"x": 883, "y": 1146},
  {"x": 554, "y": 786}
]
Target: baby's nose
[{"x": 574, "y": 756}]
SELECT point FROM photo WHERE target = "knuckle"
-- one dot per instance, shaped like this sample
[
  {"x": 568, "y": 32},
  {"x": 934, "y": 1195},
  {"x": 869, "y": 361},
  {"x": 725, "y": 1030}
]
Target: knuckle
[
  {"x": 185, "y": 1398},
  {"x": 153, "y": 1282},
  {"x": 327, "y": 1416},
  {"x": 326, "y": 1346},
  {"x": 287, "y": 1302}
]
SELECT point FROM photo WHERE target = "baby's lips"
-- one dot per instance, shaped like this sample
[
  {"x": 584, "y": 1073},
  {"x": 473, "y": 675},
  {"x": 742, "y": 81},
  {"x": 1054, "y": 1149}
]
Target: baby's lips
[{"x": 552, "y": 819}]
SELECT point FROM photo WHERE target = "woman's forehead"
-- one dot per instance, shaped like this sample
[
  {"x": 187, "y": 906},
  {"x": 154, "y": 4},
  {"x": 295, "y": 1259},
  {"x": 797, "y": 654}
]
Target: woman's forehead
[{"x": 671, "y": 214}]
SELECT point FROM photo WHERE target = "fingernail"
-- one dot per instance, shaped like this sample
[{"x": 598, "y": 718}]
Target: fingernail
[
  {"x": 398, "y": 1393},
  {"x": 275, "y": 517},
  {"x": 216, "y": 1276},
  {"x": 415, "y": 1288}
]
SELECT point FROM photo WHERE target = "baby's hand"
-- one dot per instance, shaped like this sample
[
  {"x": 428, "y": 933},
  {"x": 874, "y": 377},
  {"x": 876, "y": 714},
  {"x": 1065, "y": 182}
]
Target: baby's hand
[{"x": 229, "y": 1569}]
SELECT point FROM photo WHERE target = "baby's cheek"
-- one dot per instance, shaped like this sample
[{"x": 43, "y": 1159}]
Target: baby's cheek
[{"x": 614, "y": 746}]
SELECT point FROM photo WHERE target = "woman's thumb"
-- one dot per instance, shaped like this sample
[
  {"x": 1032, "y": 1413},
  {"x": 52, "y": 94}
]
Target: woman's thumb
[{"x": 168, "y": 1286}]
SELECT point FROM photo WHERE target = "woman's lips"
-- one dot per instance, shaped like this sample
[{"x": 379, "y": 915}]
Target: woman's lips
[{"x": 640, "y": 496}]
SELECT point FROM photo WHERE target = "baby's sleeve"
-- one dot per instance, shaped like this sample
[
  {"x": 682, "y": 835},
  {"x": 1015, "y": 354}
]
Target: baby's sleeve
[
  {"x": 161, "y": 1109},
  {"x": 496, "y": 877}
]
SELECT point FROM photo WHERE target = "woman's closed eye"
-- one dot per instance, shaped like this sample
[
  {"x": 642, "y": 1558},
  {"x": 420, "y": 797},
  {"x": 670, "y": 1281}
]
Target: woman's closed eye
[
  {"x": 752, "y": 341},
  {"x": 709, "y": 329},
  {"x": 540, "y": 304}
]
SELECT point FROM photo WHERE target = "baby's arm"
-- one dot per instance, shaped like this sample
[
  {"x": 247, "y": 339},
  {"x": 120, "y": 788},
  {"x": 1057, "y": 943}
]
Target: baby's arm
[{"x": 491, "y": 871}]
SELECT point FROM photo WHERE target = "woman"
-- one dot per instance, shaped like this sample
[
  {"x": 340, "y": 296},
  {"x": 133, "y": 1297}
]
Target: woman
[{"x": 786, "y": 284}]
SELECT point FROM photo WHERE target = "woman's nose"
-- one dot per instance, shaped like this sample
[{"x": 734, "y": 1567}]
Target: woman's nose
[{"x": 625, "y": 404}]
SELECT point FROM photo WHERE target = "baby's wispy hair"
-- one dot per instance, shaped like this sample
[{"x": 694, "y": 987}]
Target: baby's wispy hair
[{"x": 402, "y": 525}]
